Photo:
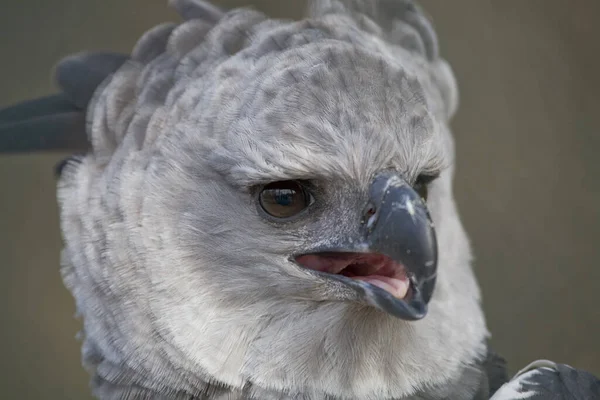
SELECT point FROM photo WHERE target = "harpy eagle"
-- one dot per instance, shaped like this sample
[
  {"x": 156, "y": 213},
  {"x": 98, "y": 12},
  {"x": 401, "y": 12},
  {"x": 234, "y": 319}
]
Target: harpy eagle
[{"x": 262, "y": 209}]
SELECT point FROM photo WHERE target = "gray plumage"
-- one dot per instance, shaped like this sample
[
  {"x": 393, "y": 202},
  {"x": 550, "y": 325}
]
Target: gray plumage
[{"x": 184, "y": 288}]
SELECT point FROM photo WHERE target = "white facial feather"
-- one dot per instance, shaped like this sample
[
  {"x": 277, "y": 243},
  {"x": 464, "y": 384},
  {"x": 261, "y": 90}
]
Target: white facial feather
[{"x": 180, "y": 282}]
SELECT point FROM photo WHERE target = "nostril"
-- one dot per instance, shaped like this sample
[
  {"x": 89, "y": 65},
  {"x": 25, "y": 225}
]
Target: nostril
[
  {"x": 370, "y": 210},
  {"x": 369, "y": 217}
]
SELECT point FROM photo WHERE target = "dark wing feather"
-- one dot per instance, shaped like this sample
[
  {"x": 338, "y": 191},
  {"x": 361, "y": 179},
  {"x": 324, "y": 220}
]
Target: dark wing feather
[
  {"x": 545, "y": 380},
  {"x": 57, "y": 122},
  {"x": 80, "y": 74},
  {"x": 197, "y": 9},
  {"x": 44, "y": 106},
  {"x": 54, "y": 132}
]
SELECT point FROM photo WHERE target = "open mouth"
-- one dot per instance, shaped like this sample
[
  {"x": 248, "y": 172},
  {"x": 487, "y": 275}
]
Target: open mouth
[
  {"x": 390, "y": 262},
  {"x": 376, "y": 269}
]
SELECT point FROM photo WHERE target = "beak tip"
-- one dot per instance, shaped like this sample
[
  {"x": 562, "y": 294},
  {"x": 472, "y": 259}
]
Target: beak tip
[{"x": 413, "y": 309}]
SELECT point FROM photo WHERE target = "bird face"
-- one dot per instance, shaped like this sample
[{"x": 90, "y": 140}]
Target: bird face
[
  {"x": 280, "y": 216},
  {"x": 391, "y": 264},
  {"x": 328, "y": 190}
]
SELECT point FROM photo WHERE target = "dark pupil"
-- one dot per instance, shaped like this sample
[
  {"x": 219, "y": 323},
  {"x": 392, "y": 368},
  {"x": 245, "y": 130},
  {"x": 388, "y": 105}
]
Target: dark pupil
[{"x": 284, "y": 197}]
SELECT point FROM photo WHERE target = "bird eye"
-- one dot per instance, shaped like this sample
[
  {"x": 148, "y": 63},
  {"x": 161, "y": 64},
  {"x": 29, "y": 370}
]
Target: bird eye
[
  {"x": 284, "y": 199},
  {"x": 421, "y": 183}
]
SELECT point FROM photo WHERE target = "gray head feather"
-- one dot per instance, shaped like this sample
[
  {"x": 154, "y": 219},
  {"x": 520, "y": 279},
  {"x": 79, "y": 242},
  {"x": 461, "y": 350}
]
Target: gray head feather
[{"x": 184, "y": 290}]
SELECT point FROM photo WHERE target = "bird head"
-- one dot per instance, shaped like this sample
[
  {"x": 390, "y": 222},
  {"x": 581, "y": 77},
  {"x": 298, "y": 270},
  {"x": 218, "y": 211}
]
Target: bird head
[{"x": 269, "y": 203}]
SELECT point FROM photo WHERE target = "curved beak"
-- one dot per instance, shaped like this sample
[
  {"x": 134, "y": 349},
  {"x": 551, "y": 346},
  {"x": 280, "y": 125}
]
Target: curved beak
[
  {"x": 401, "y": 228},
  {"x": 397, "y": 245}
]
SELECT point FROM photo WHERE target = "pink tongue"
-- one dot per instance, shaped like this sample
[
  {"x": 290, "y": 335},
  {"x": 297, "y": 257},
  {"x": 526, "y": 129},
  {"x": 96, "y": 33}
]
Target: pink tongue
[{"x": 397, "y": 287}]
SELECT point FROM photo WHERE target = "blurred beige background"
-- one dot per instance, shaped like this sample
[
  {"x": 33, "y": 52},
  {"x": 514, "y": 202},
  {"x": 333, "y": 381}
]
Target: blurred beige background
[{"x": 527, "y": 179}]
